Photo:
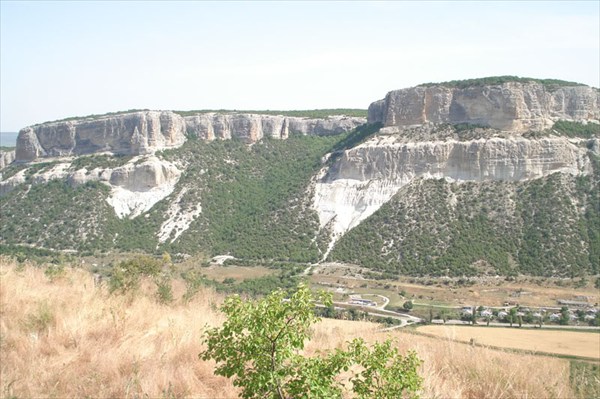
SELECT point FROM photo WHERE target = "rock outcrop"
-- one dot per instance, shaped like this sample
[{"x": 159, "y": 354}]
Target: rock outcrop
[
  {"x": 248, "y": 127},
  {"x": 6, "y": 158},
  {"x": 365, "y": 177},
  {"x": 131, "y": 133},
  {"x": 512, "y": 106},
  {"x": 253, "y": 127},
  {"x": 135, "y": 186},
  {"x": 143, "y": 132}
]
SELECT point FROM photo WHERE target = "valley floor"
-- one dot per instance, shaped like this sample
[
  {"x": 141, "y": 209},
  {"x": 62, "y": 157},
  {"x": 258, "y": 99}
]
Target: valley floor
[{"x": 64, "y": 336}]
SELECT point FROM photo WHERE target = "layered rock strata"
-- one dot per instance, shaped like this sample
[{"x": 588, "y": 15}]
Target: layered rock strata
[
  {"x": 253, "y": 127},
  {"x": 365, "y": 177},
  {"x": 512, "y": 106},
  {"x": 6, "y": 158},
  {"x": 143, "y": 132},
  {"x": 132, "y": 133}
]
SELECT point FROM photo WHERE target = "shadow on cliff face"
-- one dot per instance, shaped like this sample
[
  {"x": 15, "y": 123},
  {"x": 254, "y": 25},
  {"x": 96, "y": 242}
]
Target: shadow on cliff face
[
  {"x": 354, "y": 138},
  {"x": 357, "y": 136}
]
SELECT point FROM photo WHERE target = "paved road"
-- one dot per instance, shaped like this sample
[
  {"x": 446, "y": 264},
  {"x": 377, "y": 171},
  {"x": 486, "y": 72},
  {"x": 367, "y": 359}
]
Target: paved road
[
  {"x": 386, "y": 300},
  {"x": 373, "y": 311}
]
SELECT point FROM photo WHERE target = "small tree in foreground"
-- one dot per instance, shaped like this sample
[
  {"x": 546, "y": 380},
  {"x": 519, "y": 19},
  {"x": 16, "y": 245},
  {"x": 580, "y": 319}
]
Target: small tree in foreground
[{"x": 260, "y": 342}]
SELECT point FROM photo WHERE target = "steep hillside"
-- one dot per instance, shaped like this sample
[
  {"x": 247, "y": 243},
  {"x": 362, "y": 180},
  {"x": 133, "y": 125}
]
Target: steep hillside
[
  {"x": 547, "y": 226},
  {"x": 508, "y": 186},
  {"x": 230, "y": 198}
]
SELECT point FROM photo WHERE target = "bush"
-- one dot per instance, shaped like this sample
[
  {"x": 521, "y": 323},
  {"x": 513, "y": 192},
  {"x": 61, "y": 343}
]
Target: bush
[
  {"x": 40, "y": 321},
  {"x": 54, "y": 272},
  {"x": 127, "y": 274},
  {"x": 164, "y": 292},
  {"x": 259, "y": 345}
]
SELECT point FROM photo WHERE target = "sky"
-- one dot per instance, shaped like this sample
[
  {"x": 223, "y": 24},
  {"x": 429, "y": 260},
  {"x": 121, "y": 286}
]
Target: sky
[{"x": 75, "y": 58}]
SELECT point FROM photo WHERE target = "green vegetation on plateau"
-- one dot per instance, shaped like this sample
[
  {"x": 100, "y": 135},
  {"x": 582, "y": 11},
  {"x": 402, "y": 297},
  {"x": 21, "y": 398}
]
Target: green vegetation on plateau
[
  {"x": 498, "y": 80},
  {"x": 93, "y": 116},
  {"x": 577, "y": 129},
  {"x": 310, "y": 113}
]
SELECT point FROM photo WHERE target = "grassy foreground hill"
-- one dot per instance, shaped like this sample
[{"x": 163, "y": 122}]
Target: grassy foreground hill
[{"x": 63, "y": 336}]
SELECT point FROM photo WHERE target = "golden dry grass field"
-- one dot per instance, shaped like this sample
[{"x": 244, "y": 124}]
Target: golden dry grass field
[
  {"x": 574, "y": 343},
  {"x": 67, "y": 338},
  {"x": 239, "y": 273}
]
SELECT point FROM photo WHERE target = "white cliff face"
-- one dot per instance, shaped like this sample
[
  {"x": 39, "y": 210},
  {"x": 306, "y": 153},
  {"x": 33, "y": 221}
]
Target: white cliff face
[
  {"x": 367, "y": 176},
  {"x": 324, "y": 127},
  {"x": 248, "y": 127},
  {"x": 132, "y": 133},
  {"x": 6, "y": 158},
  {"x": 253, "y": 127},
  {"x": 57, "y": 171},
  {"x": 135, "y": 187},
  {"x": 512, "y": 106},
  {"x": 144, "y": 132}
]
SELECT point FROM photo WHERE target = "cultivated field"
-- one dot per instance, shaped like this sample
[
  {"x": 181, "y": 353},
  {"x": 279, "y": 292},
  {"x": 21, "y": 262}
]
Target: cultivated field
[
  {"x": 586, "y": 344},
  {"x": 239, "y": 273},
  {"x": 486, "y": 291},
  {"x": 65, "y": 337}
]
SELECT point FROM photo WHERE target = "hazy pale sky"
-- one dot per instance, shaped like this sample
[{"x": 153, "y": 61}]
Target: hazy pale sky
[{"x": 61, "y": 59}]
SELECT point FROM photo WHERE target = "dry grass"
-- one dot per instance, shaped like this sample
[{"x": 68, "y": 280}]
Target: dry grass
[
  {"x": 238, "y": 273},
  {"x": 67, "y": 338},
  {"x": 586, "y": 344},
  {"x": 91, "y": 344}
]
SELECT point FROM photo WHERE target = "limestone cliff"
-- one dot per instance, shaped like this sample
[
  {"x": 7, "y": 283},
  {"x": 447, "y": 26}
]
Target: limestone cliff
[
  {"x": 511, "y": 106},
  {"x": 135, "y": 186},
  {"x": 130, "y": 133},
  {"x": 6, "y": 158},
  {"x": 365, "y": 177},
  {"x": 253, "y": 127},
  {"x": 143, "y": 132}
]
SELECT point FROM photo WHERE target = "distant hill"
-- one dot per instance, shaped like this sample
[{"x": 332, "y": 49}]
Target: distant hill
[{"x": 482, "y": 180}]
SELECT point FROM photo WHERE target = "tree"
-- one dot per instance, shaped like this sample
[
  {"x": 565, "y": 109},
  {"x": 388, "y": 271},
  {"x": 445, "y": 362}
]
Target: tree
[
  {"x": 127, "y": 274},
  {"x": 408, "y": 305},
  {"x": 260, "y": 342},
  {"x": 444, "y": 315},
  {"x": 565, "y": 316},
  {"x": 512, "y": 313}
]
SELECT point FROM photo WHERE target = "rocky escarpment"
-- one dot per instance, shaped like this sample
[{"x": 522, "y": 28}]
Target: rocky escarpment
[
  {"x": 131, "y": 133},
  {"x": 135, "y": 186},
  {"x": 6, "y": 158},
  {"x": 511, "y": 106},
  {"x": 365, "y": 177},
  {"x": 143, "y": 132},
  {"x": 253, "y": 127}
]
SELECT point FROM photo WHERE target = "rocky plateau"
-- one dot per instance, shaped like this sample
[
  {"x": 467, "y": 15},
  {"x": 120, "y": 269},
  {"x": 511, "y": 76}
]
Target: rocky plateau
[
  {"x": 143, "y": 132},
  {"x": 512, "y": 106},
  {"x": 506, "y": 135}
]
